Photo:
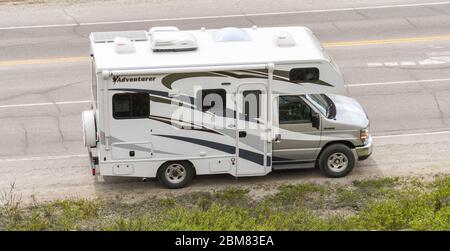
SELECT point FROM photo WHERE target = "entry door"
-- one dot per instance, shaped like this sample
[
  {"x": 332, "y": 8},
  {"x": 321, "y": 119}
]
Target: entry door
[{"x": 254, "y": 150}]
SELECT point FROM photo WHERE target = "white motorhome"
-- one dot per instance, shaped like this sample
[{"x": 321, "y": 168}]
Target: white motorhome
[{"x": 174, "y": 104}]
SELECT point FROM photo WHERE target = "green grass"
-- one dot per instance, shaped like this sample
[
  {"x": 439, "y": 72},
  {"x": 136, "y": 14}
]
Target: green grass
[{"x": 375, "y": 204}]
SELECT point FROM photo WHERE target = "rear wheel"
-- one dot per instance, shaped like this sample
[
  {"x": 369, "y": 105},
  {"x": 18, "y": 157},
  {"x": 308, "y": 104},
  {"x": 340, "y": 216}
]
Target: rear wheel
[
  {"x": 336, "y": 160},
  {"x": 176, "y": 174}
]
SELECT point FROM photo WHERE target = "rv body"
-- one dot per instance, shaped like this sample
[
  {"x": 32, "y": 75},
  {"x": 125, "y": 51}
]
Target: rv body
[{"x": 173, "y": 104}]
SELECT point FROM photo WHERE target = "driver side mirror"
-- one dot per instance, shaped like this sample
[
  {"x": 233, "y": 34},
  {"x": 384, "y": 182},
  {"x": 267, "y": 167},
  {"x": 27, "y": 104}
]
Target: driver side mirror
[{"x": 315, "y": 119}]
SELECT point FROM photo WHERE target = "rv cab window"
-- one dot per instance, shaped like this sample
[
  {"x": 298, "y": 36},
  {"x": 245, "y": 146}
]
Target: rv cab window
[
  {"x": 304, "y": 75},
  {"x": 131, "y": 105},
  {"x": 293, "y": 110}
]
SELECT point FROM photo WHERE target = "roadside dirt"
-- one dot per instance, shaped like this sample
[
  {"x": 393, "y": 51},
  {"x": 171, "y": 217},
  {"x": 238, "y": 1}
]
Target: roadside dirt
[{"x": 70, "y": 178}]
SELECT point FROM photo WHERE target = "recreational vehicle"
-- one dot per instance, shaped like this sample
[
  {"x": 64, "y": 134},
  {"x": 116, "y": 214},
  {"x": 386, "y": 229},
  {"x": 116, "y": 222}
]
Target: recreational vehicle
[{"x": 173, "y": 104}]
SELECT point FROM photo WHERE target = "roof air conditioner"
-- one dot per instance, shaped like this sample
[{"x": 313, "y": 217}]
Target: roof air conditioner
[{"x": 173, "y": 41}]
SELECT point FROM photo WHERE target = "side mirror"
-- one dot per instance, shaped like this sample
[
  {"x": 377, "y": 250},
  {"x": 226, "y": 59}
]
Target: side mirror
[{"x": 315, "y": 119}]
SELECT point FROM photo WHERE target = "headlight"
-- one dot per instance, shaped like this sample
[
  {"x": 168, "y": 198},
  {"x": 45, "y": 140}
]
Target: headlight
[{"x": 364, "y": 134}]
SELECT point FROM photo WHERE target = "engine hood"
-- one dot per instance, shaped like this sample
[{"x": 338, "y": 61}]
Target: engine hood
[{"x": 349, "y": 111}]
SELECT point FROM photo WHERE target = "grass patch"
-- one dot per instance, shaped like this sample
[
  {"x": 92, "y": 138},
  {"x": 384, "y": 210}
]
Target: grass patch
[
  {"x": 298, "y": 196},
  {"x": 377, "y": 204},
  {"x": 376, "y": 184},
  {"x": 348, "y": 198}
]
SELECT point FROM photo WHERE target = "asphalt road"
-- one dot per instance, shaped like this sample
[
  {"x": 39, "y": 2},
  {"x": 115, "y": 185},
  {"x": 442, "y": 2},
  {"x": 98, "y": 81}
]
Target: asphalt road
[{"x": 395, "y": 56}]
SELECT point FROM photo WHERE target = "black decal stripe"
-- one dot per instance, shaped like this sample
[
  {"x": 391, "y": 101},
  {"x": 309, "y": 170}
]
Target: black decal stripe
[
  {"x": 321, "y": 82},
  {"x": 214, "y": 145},
  {"x": 256, "y": 75},
  {"x": 168, "y": 80},
  {"x": 158, "y": 99},
  {"x": 277, "y": 75},
  {"x": 251, "y": 156},
  {"x": 204, "y": 130},
  {"x": 161, "y": 120},
  {"x": 239, "y": 76},
  {"x": 260, "y": 73},
  {"x": 243, "y": 153},
  {"x": 169, "y": 121},
  {"x": 168, "y": 101},
  {"x": 152, "y": 92},
  {"x": 284, "y": 76}
]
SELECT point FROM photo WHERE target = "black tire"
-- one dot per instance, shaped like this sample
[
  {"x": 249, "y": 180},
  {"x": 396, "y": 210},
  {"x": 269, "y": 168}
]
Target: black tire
[
  {"x": 337, "y": 168},
  {"x": 175, "y": 174}
]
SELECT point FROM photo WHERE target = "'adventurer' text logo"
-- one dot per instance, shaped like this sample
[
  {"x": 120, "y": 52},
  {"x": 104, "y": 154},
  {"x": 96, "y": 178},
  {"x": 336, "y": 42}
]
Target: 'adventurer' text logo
[{"x": 119, "y": 79}]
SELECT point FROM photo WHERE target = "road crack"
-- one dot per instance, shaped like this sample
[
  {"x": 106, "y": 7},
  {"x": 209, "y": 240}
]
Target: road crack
[
  {"x": 426, "y": 90},
  {"x": 410, "y": 23},
  {"x": 238, "y": 5},
  {"x": 25, "y": 149},
  {"x": 43, "y": 92},
  {"x": 439, "y": 108},
  {"x": 75, "y": 27}
]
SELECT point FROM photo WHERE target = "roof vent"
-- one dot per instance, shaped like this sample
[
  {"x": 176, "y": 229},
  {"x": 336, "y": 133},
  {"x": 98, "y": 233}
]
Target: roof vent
[
  {"x": 123, "y": 45},
  {"x": 162, "y": 28},
  {"x": 231, "y": 34},
  {"x": 173, "y": 41},
  {"x": 284, "y": 39}
]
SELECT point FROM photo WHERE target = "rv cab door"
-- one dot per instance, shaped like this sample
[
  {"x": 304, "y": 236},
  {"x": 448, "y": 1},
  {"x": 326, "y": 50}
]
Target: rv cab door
[{"x": 254, "y": 149}]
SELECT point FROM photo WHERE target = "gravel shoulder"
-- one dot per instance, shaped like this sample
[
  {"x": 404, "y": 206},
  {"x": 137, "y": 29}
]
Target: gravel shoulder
[{"x": 57, "y": 179}]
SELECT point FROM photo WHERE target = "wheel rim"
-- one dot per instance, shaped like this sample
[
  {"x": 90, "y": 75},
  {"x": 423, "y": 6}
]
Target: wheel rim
[
  {"x": 175, "y": 173},
  {"x": 337, "y": 162}
]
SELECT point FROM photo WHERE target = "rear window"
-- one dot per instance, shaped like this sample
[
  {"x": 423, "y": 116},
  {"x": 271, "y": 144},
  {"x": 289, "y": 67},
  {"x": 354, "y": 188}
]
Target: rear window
[{"x": 131, "y": 105}]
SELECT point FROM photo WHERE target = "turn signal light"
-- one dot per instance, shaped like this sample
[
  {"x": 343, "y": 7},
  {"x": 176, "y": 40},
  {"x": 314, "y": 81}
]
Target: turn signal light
[{"x": 364, "y": 134}]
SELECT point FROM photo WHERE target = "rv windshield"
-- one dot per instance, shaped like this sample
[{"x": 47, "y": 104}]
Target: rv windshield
[{"x": 322, "y": 103}]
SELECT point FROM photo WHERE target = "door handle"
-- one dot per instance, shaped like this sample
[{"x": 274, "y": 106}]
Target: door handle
[
  {"x": 242, "y": 134},
  {"x": 277, "y": 138}
]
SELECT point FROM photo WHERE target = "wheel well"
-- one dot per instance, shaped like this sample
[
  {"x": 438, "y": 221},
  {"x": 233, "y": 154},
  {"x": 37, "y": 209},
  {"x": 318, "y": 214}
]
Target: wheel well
[
  {"x": 347, "y": 143},
  {"x": 187, "y": 161}
]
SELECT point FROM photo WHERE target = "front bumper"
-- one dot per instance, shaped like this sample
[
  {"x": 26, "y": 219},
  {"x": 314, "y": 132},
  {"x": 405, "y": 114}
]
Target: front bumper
[{"x": 363, "y": 152}]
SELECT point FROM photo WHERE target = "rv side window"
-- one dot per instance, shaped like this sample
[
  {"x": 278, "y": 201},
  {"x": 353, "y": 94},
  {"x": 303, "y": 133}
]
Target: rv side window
[
  {"x": 131, "y": 105},
  {"x": 293, "y": 110},
  {"x": 214, "y": 101},
  {"x": 304, "y": 75},
  {"x": 252, "y": 104}
]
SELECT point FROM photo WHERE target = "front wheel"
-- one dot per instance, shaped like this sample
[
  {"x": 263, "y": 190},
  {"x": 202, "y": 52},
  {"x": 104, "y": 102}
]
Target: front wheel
[
  {"x": 175, "y": 174},
  {"x": 336, "y": 161}
]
